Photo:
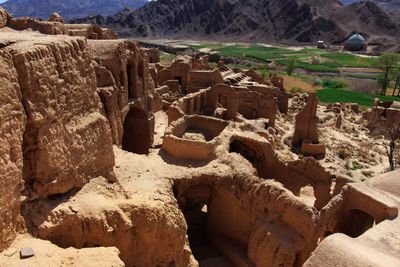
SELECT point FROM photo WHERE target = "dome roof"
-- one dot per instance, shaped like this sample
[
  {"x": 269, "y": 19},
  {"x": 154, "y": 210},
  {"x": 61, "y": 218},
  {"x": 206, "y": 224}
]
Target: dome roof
[{"x": 356, "y": 39}]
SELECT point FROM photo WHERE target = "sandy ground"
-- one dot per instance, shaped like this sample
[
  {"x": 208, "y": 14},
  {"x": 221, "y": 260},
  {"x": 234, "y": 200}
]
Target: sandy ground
[{"x": 160, "y": 125}]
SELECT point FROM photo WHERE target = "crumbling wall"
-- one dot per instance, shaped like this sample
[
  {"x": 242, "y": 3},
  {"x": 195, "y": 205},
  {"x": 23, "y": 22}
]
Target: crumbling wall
[
  {"x": 254, "y": 105},
  {"x": 294, "y": 175},
  {"x": 182, "y": 148},
  {"x": 126, "y": 89},
  {"x": 306, "y": 123},
  {"x": 45, "y": 27},
  {"x": 189, "y": 105},
  {"x": 12, "y": 127},
  {"x": 64, "y": 120},
  {"x": 273, "y": 227},
  {"x": 380, "y": 118},
  {"x": 200, "y": 79},
  {"x": 280, "y": 94}
]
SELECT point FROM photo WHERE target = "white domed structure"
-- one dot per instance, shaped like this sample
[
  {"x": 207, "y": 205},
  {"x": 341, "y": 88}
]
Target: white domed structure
[{"x": 355, "y": 43}]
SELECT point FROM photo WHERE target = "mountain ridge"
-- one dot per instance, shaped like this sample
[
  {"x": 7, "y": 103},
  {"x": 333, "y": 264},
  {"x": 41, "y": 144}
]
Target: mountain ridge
[
  {"x": 252, "y": 20},
  {"x": 68, "y": 8}
]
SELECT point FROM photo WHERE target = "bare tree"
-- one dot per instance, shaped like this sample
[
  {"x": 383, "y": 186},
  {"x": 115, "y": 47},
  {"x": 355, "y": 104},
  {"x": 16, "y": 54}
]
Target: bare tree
[
  {"x": 392, "y": 132},
  {"x": 386, "y": 63},
  {"x": 396, "y": 77}
]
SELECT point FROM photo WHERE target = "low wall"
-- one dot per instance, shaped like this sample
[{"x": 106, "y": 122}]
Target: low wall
[{"x": 181, "y": 148}]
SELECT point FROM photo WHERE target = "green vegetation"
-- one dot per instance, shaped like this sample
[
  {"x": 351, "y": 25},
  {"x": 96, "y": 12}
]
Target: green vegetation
[
  {"x": 387, "y": 62},
  {"x": 334, "y": 83},
  {"x": 332, "y": 95},
  {"x": 356, "y": 165},
  {"x": 291, "y": 66},
  {"x": 311, "y": 59},
  {"x": 308, "y": 66},
  {"x": 165, "y": 57},
  {"x": 294, "y": 90}
]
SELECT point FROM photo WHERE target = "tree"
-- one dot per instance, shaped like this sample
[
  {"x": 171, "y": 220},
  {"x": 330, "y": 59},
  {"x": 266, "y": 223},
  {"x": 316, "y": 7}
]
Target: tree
[
  {"x": 392, "y": 132},
  {"x": 396, "y": 78},
  {"x": 386, "y": 63},
  {"x": 291, "y": 66}
]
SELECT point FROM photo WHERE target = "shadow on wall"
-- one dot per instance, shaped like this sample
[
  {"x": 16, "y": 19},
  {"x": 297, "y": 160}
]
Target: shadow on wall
[
  {"x": 356, "y": 222},
  {"x": 137, "y": 132},
  {"x": 215, "y": 241}
]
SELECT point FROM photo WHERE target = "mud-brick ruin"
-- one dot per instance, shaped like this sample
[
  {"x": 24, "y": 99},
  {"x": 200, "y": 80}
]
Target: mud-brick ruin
[{"x": 110, "y": 158}]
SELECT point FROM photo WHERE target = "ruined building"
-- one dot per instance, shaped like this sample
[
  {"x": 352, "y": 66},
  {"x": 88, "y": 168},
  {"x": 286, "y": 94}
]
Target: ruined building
[{"x": 110, "y": 158}]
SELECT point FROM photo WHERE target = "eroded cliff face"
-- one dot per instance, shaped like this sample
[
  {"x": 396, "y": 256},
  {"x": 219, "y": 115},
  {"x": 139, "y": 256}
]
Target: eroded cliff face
[
  {"x": 53, "y": 133},
  {"x": 11, "y": 134},
  {"x": 61, "y": 142}
]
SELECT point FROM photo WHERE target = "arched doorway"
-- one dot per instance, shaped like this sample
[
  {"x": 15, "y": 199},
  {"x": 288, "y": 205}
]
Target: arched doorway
[
  {"x": 356, "y": 222},
  {"x": 137, "y": 132}
]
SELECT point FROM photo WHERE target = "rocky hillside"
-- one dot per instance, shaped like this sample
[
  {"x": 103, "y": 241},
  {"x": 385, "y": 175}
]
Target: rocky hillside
[
  {"x": 251, "y": 20},
  {"x": 392, "y": 7},
  {"x": 68, "y": 8}
]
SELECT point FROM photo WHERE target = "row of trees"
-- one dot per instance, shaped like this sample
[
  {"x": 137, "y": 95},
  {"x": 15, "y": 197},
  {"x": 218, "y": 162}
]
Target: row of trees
[{"x": 389, "y": 63}]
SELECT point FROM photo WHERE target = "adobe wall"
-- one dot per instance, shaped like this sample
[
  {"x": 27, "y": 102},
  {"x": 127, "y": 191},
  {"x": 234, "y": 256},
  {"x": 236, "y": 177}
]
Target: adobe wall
[
  {"x": 306, "y": 123},
  {"x": 265, "y": 217},
  {"x": 186, "y": 105},
  {"x": 54, "y": 121},
  {"x": 225, "y": 95},
  {"x": 182, "y": 148},
  {"x": 125, "y": 83},
  {"x": 380, "y": 118},
  {"x": 12, "y": 128},
  {"x": 281, "y": 95},
  {"x": 253, "y": 105},
  {"x": 200, "y": 79},
  {"x": 45, "y": 27},
  {"x": 294, "y": 175}
]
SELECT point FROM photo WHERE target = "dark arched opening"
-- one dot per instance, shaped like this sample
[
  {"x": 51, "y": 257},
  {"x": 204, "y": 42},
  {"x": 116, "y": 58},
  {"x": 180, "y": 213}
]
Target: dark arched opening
[
  {"x": 356, "y": 222},
  {"x": 137, "y": 132}
]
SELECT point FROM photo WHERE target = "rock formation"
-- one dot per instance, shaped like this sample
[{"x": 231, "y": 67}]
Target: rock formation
[
  {"x": 56, "y": 17},
  {"x": 4, "y": 17}
]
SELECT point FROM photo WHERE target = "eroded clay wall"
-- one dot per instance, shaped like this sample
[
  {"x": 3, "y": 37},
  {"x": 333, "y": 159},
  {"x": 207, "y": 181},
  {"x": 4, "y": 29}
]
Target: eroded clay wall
[
  {"x": 12, "y": 127},
  {"x": 274, "y": 228},
  {"x": 125, "y": 84},
  {"x": 62, "y": 147},
  {"x": 203, "y": 79},
  {"x": 253, "y": 105}
]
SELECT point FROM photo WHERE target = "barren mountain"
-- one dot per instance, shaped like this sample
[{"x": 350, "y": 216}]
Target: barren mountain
[
  {"x": 251, "y": 20},
  {"x": 392, "y": 7},
  {"x": 68, "y": 8}
]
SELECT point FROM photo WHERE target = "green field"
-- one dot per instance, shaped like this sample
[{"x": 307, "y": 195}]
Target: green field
[
  {"x": 326, "y": 61},
  {"x": 331, "y": 95}
]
